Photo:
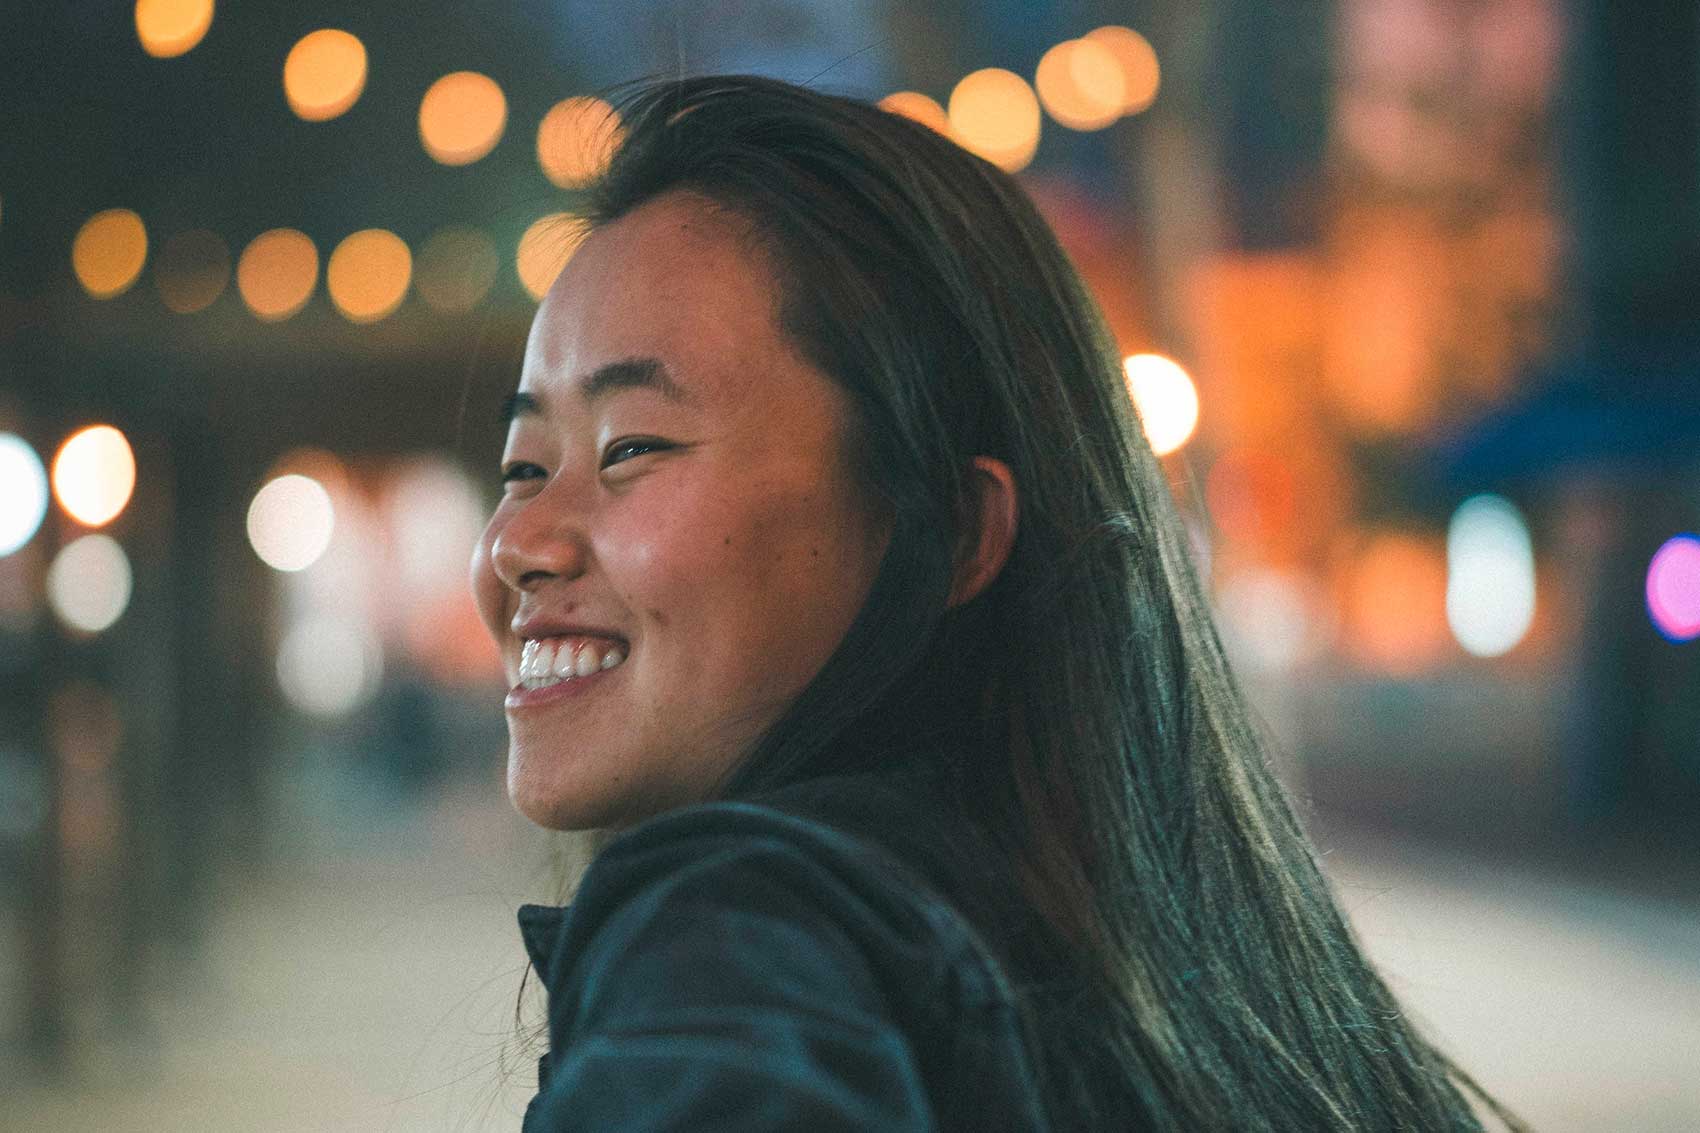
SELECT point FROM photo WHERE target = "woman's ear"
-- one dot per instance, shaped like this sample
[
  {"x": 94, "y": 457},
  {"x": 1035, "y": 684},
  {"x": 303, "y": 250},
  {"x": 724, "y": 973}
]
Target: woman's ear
[{"x": 983, "y": 549}]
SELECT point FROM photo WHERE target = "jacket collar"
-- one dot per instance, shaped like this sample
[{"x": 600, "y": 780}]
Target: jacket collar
[{"x": 540, "y": 928}]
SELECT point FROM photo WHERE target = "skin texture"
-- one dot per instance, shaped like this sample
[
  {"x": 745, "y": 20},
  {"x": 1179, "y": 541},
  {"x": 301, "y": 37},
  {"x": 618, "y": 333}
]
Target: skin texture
[{"x": 732, "y": 561}]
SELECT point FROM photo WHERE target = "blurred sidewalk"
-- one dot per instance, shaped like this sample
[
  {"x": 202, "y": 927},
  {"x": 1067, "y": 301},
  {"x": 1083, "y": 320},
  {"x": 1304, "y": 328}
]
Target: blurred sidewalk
[{"x": 375, "y": 990}]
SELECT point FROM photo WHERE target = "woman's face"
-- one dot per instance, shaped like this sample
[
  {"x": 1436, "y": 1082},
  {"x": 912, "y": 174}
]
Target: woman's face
[{"x": 676, "y": 491}]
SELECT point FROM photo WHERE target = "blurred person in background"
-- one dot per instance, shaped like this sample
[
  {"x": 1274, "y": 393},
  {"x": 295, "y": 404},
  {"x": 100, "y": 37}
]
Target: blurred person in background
[{"x": 843, "y": 599}]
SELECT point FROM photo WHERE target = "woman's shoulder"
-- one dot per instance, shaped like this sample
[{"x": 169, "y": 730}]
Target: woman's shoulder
[
  {"x": 844, "y": 857},
  {"x": 764, "y": 937}
]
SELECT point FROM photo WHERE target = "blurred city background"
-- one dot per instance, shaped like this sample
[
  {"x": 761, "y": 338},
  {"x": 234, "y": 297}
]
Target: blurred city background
[{"x": 1409, "y": 292}]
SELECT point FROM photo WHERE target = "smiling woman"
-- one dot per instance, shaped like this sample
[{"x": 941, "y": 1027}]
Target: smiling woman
[
  {"x": 674, "y": 474},
  {"x": 841, "y": 594}
]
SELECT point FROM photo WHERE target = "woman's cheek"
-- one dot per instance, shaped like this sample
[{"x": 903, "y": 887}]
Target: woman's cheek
[{"x": 487, "y": 589}]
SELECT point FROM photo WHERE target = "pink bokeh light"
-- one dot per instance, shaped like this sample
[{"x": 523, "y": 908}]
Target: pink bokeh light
[{"x": 1673, "y": 588}]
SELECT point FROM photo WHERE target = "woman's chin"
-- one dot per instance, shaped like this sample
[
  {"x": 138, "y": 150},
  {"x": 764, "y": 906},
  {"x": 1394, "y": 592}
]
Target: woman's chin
[{"x": 555, "y": 805}]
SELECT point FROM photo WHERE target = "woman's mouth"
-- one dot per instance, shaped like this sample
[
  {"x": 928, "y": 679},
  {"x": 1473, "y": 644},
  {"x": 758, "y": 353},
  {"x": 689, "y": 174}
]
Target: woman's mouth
[{"x": 554, "y": 668}]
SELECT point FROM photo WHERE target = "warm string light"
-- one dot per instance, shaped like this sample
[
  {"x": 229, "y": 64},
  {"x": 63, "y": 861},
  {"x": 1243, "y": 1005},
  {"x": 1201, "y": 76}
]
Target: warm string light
[
  {"x": 461, "y": 117},
  {"x": 545, "y": 249},
  {"x": 192, "y": 271},
  {"x": 109, "y": 251},
  {"x": 324, "y": 74},
  {"x": 277, "y": 273},
  {"x": 456, "y": 267},
  {"x": 94, "y": 474},
  {"x": 577, "y": 139},
  {"x": 994, "y": 113},
  {"x": 290, "y": 522},
  {"x": 89, "y": 583},
  {"x": 1166, "y": 399},
  {"x": 368, "y": 274},
  {"x": 169, "y": 28}
]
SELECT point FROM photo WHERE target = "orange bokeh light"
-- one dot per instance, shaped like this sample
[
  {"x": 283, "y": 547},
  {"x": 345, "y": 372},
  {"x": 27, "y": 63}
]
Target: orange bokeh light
[
  {"x": 94, "y": 474},
  {"x": 915, "y": 105},
  {"x": 461, "y": 117},
  {"x": 368, "y": 274},
  {"x": 168, "y": 28},
  {"x": 456, "y": 268},
  {"x": 109, "y": 251},
  {"x": 994, "y": 113},
  {"x": 577, "y": 139},
  {"x": 192, "y": 270},
  {"x": 1252, "y": 495},
  {"x": 1081, "y": 84},
  {"x": 277, "y": 273},
  {"x": 1395, "y": 603},
  {"x": 545, "y": 249},
  {"x": 1137, "y": 59},
  {"x": 324, "y": 74}
]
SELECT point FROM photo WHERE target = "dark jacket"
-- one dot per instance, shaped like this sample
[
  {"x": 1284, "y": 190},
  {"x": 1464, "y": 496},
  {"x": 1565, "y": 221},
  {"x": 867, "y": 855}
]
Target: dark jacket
[{"x": 752, "y": 966}]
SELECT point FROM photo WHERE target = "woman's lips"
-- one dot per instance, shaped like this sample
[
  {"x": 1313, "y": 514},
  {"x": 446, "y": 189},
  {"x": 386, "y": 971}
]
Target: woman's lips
[{"x": 520, "y": 697}]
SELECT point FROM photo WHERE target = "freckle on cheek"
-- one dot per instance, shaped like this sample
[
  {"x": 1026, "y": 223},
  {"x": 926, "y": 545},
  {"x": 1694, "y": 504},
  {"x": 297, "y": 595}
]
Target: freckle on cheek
[{"x": 658, "y": 617}]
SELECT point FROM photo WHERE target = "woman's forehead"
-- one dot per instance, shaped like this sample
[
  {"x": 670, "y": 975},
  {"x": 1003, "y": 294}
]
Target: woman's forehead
[{"x": 670, "y": 281}]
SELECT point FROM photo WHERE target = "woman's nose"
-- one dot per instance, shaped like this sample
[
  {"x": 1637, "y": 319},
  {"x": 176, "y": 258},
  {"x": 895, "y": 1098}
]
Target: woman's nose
[{"x": 536, "y": 542}]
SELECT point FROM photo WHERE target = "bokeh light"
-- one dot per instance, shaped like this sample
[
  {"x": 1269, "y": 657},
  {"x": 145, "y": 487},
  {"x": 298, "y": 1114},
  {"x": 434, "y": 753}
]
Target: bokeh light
[
  {"x": 1166, "y": 399},
  {"x": 1395, "y": 602},
  {"x": 1137, "y": 59},
  {"x": 545, "y": 249},
  {"x": 577, "y": 139},
  {"x": 1673, "y": 588},
  {"x": 94, "y": 473},
  {"x": 315, "y": 464},
  {"x": 23, "y": 493},
  {"x": 1490, "y": 576},
  {"x": 290, "y": 522},
  {"x": 109, "y": 251},
  {"x": 461, "y": 117},
  {"x": 191, "y": 270},
  {"x": 277, "y": 273},
  {"x": 85, "y": 724},
  {"x": 433, "y": 513},
  {"x": 456, "y": 267},
  {"x": 88, "y": 584},
  {"x": 1252, "y": 495},
  {"x": 368, "y": 274},
  {"x": 1081, "y": 85},
  {"x": 168, "y": 28},
  {"x": 994, "y": 113},
  {"x": 1267, "y": 615},
  {"x": 328, "y": 666},
  {"x": 914, "y": 104},
  {"x": 324, "y": 74}
]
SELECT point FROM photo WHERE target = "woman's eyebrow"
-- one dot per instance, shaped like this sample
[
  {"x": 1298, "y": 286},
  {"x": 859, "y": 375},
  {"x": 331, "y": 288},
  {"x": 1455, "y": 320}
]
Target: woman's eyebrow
[
  {"x": 633, "y": 373},
  {"x": 518, "y": 405},
  {"x": 629, "y": 373}
]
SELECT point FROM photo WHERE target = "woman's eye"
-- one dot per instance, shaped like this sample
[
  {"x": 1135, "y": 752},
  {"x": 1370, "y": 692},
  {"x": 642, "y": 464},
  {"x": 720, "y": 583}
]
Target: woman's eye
[
  {"x": 631, "y": 446},
  {"x": 520, "y": 470}
]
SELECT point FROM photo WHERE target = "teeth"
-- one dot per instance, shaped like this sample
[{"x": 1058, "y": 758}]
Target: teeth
[{"x": 543, "y": 662}]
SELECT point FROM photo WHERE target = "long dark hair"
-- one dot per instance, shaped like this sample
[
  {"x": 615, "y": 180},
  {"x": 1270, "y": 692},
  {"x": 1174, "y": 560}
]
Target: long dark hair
[{"x": 1080, "y": 710}]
